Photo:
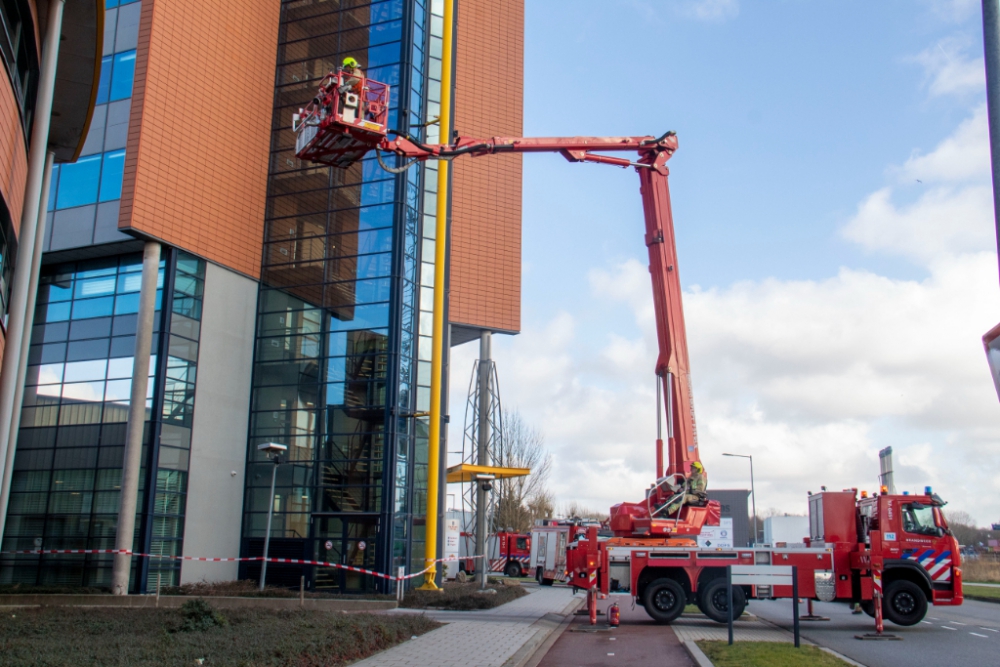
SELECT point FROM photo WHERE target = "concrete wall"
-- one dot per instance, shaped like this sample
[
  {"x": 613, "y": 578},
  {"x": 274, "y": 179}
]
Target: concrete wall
[{"x": 219, "y": 436}]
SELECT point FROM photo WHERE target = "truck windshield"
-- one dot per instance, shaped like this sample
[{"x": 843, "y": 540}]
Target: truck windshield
[{"x": 919, "y": 519}]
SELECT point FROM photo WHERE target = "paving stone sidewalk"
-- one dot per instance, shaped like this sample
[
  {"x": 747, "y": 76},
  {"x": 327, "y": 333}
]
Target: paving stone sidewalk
[
  {"x": 695, "y": 628},
  {"x": 488, "y": 638}
]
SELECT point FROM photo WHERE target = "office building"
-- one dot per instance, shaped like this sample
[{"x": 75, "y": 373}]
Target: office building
[{"x": 293, "y": 302}]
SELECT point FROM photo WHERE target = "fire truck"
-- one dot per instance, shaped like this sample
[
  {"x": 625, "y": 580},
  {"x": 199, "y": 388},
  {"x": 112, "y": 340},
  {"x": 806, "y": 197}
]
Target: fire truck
[
  {"x": 549, "y": 539},
  {"x": 508, "y": 553},
  {"x": 893, "y": 548},
  {"x": 868, "y": 549}
]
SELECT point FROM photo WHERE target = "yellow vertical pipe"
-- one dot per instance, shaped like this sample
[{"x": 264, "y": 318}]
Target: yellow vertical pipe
[{"x": 437, "y": 353}]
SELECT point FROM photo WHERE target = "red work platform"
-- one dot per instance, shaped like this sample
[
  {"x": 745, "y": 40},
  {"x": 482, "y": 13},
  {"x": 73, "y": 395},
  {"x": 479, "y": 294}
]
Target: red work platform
[{"x": 345, "y": 120}]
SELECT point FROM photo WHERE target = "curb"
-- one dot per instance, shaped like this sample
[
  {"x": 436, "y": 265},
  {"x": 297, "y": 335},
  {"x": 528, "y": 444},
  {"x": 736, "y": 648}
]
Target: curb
[
  {"x": 977, "y": 598},
  {"x": 702, "y": 660},
  {"x": 839, "y": 656},
  {"x": 175, "y": 601},
  {"x": 697, "y": 654},
  {"x": 549, "y": 630}
]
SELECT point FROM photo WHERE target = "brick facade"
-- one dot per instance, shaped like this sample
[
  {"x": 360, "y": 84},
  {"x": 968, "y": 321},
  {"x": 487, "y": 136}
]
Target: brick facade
[
  {"x": 13, "y": 154},
  {"x": 197, "y": 156},
  {"x": 486, "y": 192}
]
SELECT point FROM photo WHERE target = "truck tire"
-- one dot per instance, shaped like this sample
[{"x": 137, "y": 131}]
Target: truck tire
[
  {"x": 714, "y": 603},
  {"x": 664, "y": 600},
  {"x": 905, "y": 603},
  {"x": 513, "y": 569},
  {"x": 547, "y": 582}
]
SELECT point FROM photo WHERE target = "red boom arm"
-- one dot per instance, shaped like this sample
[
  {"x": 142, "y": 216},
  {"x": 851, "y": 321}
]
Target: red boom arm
[
  {"x": 672, "y": 363},
  {"x": 337, "y": 129}
]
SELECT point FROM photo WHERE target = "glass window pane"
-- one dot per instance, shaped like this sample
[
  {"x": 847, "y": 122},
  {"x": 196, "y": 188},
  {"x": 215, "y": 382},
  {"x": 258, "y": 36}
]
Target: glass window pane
[
  {"x": 53, "y": 186},
  {"x": 85, "y": 308},
  {"x": 118, "y": 391},
  {"x": 78, "y": 182},
  {"x": 383, "y": 55},
  {"x": 122, "y": 75},
  {"x": 104, "y": 85},
  {"x": 363, "y": 317},
  {"x": 83, "y": 371},
  {"x": 111, "y": 175},
  {"x": 120, "y": 367},
  {"x": 99, "y": 286}
]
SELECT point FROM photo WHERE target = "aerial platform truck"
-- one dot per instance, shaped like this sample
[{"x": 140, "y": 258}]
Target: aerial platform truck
[{"x": 884, "y": 552}]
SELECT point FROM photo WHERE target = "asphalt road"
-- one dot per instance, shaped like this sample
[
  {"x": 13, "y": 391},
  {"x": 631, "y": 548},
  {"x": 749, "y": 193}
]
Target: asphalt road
[
  {"x": 947, "y": 637},
  {"x": 637, "y": 642}
]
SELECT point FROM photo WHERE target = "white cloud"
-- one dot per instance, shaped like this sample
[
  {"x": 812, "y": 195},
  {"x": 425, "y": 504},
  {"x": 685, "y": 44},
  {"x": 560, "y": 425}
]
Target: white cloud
[
  {"x": 950, "y": 71},
  {"x": 811, "y": 377},
  {"x": 952, "y": 215},
  {"x": 964, "y": 156}
]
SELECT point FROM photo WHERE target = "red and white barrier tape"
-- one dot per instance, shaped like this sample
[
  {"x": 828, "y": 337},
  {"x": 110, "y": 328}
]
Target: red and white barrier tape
[{"x": 287, "y": 561}]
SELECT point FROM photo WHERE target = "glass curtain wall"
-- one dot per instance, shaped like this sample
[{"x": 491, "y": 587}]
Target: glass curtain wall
[
  {"x": 70, "y": 450},
  {"x": 334, "y": 358}
]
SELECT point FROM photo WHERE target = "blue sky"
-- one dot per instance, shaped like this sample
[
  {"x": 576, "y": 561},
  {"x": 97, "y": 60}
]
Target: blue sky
[
  {"x": 834, "y": 303},
  {"x": 786, "y": 114}
]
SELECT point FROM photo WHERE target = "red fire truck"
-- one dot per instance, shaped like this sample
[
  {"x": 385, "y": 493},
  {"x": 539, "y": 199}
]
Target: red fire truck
[
  {"x": 509, "y": 553},
  {"x": 896, "y": 546},
  {"x": 869, "y": 549}
]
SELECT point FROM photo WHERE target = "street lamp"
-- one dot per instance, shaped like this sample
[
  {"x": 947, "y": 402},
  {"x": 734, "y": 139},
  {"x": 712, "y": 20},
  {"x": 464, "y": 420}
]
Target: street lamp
[
  {"x": 274, "y": 452},
  {"x": 753, "y": 494}
]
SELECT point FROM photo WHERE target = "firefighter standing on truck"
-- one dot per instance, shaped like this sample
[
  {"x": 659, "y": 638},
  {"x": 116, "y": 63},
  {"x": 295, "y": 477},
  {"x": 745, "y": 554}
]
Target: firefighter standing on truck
[{"x": 696, "y": 493}]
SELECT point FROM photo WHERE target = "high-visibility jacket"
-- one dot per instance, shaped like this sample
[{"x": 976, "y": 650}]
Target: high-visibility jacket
[{"x": 697, "y": 482}]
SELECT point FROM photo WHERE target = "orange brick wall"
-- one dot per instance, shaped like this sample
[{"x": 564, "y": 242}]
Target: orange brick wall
[
  {"x": 486, "y": 192},
  {"x": 197, "y": 155},
  {"x": 13, "y": 154}
]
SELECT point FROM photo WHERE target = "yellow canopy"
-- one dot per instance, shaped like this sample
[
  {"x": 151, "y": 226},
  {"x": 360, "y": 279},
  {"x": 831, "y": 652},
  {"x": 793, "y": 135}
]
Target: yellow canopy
[{"x": 466, "y": 472}]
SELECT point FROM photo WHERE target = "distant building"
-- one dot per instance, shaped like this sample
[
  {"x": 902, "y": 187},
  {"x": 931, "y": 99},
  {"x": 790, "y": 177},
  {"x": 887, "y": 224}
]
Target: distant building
[{"x": 734, "y": 505}]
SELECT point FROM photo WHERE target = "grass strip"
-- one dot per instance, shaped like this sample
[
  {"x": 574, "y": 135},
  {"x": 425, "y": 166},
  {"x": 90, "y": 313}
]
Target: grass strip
[
  {"x": 68, "y": 636},
  {"x": 984, "y": 593},
  {"x": 766, "y": 654}
]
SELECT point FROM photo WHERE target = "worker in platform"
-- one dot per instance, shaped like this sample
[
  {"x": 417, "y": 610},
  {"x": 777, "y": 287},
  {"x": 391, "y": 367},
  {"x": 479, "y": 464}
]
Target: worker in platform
[
  {"x": 696, "y": 493},
  {"x": 354, "y": 75}
]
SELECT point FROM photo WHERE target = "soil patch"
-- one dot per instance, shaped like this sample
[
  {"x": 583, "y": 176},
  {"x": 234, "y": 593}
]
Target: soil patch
[
  {"x": 199, "y": 635},
  {"x": 464, "y": 597}
]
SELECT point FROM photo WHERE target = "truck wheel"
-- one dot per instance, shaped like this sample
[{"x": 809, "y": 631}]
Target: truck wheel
[
  {"x": 547, "y": 582},
  {"x": 513, "y": 569},
  {"x": 713, "y": 601},
  {"x": 905, "y": 603},
  {"x": 664, "y": 600}
]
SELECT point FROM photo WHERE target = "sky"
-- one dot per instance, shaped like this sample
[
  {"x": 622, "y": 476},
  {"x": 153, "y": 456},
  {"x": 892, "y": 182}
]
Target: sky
[{"x": 833, "y": 211}]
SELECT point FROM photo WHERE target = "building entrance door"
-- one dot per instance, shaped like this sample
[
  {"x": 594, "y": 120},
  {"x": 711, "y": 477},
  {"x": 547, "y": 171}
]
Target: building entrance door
[{"x": 347, "y": 540}]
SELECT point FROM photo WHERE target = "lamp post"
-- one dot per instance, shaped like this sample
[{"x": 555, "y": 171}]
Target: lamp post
[
  {"x": 274, "y": 451},
  {"x": 753, "y": 494}
]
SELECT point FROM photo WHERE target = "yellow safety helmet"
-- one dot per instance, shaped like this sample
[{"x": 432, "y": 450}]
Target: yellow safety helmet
[
  {"x": 698, "y": 466},
  {"x": 350, "y": 62}
]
